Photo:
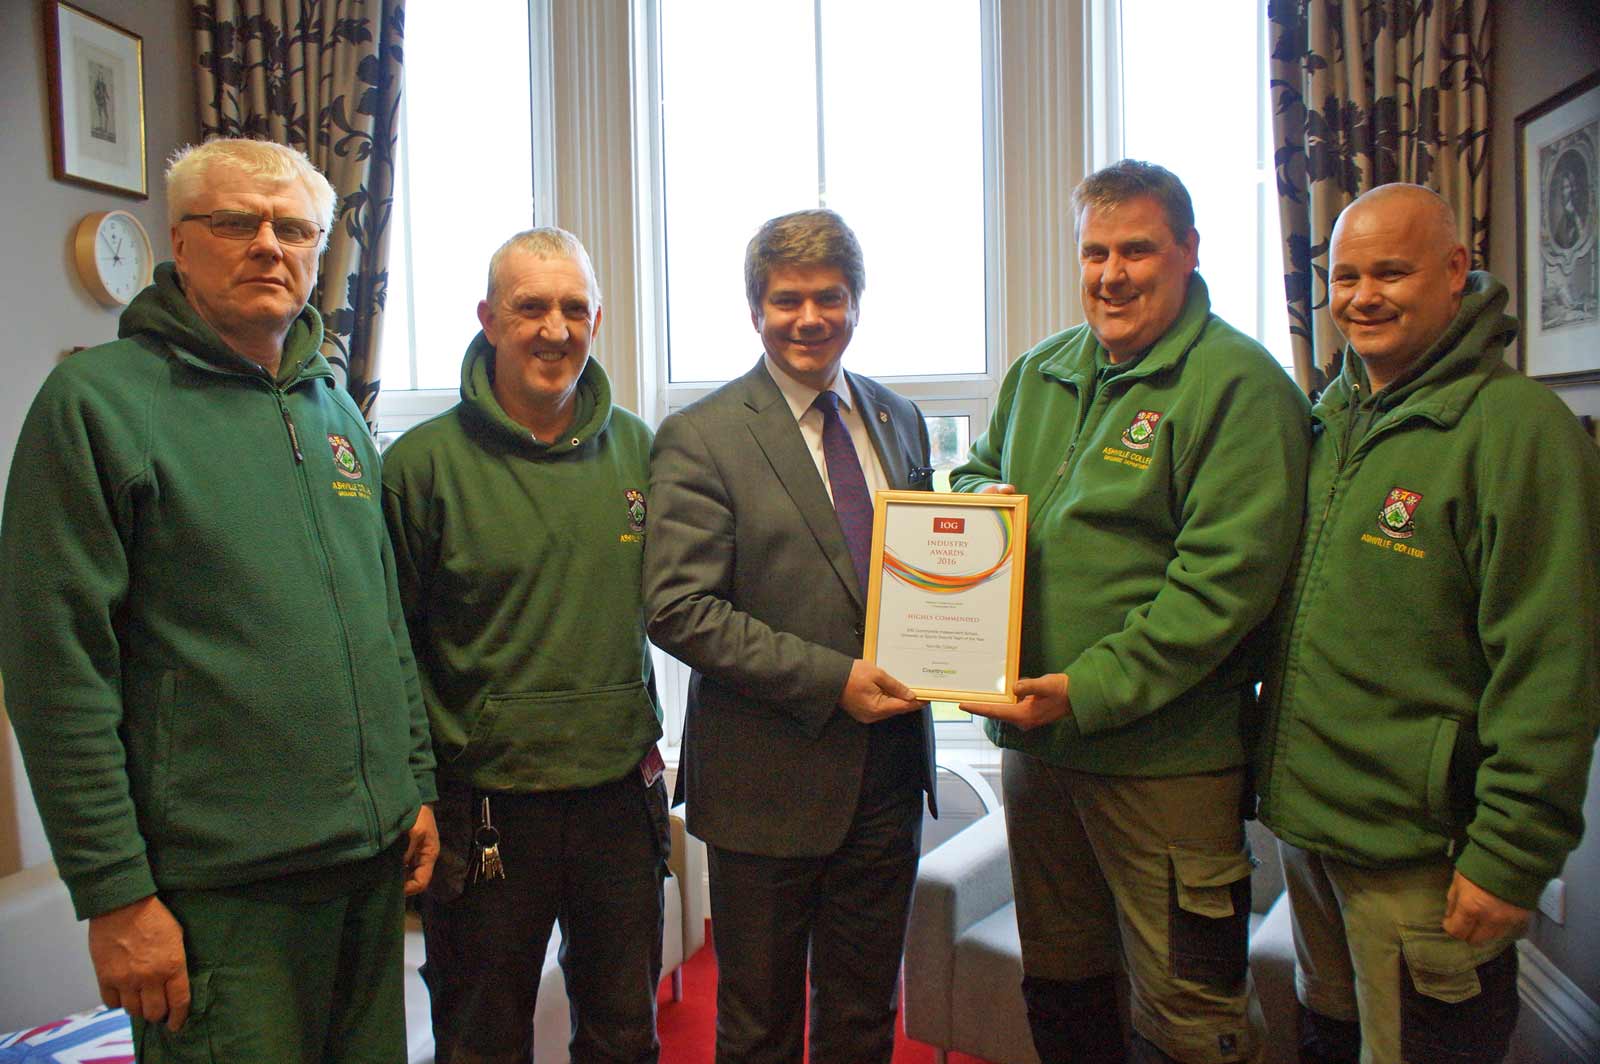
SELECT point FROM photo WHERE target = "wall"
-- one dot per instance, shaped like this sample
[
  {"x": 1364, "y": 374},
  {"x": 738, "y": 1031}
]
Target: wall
[
  {"x": 45, "y": 309},
  {"x": 1541, "y": 47}
]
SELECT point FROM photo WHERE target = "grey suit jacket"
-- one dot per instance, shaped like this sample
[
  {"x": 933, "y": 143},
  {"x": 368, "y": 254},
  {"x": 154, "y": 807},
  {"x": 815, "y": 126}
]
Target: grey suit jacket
[{"x": 748, "y": 580}]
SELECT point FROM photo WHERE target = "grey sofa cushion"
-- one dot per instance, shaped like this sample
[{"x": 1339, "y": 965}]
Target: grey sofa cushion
[{"x": 992, "y": 1023}]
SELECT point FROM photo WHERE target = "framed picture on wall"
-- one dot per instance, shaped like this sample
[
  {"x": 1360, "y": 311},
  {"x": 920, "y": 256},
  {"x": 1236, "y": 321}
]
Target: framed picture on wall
[
  {"x": 1558, "y": 215},
  {"x": 96, "y": 72}
]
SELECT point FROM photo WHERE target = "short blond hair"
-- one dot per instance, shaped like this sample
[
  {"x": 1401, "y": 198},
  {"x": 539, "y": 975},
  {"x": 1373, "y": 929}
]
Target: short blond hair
[{"x": 264, "y": 160}]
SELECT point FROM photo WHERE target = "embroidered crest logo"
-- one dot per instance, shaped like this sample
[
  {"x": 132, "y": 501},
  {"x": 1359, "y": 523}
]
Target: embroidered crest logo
[
  {"x": 1394, "y": 518},
  {"x": 344, "y": 457},
  {"x": 1142, "y": 432},
  {"x": 635, "y": 500}
]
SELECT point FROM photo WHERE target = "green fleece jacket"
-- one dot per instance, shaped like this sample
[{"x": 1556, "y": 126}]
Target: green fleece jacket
[
  {"x": 1435, "y": 691},
  {"x": 1164, "y": 498},
  {"x": 520, "y": 566},
  {"x": 203, "y": 648}
]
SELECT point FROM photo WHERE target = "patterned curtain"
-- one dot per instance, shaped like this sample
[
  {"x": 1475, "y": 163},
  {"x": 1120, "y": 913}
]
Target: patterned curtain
[
  {"x": 1366, "y": 92},
  {"x": 322, "y": 76}
]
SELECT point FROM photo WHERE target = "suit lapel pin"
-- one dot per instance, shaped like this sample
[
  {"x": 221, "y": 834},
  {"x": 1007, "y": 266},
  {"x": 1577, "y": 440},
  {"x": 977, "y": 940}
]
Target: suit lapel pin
[{"x": 883, "y": 416}]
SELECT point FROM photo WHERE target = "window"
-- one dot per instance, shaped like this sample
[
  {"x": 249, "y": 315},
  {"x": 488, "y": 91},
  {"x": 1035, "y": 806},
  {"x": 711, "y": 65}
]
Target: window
[
  {"x": 782, "y": 105},
  {"x": 1219, "y": 141},
  {"x": 918, "y": 190},
  {"x": 464, "y": 179}
]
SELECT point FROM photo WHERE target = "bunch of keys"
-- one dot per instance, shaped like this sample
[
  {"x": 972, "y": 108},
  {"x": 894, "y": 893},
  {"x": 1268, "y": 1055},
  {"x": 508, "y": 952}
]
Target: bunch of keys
[{"x": 487, "y": 864}]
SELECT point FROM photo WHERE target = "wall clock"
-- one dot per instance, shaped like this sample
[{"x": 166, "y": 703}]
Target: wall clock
[{"x": 113, "y": 256}]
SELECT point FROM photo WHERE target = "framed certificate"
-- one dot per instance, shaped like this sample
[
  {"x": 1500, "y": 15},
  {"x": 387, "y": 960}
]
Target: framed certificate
[{"x": 944, "y": 602}]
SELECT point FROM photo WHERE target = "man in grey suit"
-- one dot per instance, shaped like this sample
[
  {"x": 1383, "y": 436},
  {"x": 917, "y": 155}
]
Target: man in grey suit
[{"x": 803, "y": 765}]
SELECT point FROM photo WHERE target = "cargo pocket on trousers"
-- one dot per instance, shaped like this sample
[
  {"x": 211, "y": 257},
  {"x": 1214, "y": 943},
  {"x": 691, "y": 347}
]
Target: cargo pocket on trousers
[
  {"x": 1208, "y": 907},
  {"x": 1458, "y": 1002},
  {"x": 192, "y": 1044}
]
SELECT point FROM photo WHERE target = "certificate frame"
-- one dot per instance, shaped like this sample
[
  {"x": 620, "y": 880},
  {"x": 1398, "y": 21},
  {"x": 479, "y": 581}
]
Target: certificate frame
[
  {"x": 95, "y": 70},
  {"x": 966, "y": 583}
]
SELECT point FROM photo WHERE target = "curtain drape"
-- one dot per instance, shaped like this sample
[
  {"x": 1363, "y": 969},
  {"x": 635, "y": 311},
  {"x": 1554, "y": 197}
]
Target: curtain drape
[
  {"x": 1366, "y": 92},
  {"x": 322, "y": 76}
]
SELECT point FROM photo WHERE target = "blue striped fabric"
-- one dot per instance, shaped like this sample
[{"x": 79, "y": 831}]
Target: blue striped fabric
[{"x": 101, "y": 1036}]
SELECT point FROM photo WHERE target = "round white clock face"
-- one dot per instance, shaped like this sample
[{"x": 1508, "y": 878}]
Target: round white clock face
[
  {"x": 114, "y": 256},
  {"x": 123, "y": 256}
]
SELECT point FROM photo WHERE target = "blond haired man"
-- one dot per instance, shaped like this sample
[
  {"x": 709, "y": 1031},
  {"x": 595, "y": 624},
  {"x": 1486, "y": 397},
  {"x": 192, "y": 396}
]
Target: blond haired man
[{"x": 207, "y": 665}]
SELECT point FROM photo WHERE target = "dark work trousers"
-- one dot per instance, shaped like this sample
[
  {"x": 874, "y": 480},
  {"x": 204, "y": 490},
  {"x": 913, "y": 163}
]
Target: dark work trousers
[
  {"x": 306, "y": 968},
  {"x": 848, "y": 909},
  {"x": 591, "y": 860}
]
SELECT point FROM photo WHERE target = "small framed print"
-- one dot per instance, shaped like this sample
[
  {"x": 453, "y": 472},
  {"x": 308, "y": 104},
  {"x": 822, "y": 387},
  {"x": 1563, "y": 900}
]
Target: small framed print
[
  {"x": 1558, "y": 213},
  {"x": 944, "y": 598},
  {"x": 96, "y": 72}
]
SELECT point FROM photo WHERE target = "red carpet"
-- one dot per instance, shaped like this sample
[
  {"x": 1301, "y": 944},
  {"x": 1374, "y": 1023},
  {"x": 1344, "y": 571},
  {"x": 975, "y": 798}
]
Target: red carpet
[{"x": 688, "y": 1028}]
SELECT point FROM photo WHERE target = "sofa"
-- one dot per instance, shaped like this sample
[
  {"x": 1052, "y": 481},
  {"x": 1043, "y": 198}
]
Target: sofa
[
  {"x": 45, "y": 972},
  {"x": 963, "y": 959}
]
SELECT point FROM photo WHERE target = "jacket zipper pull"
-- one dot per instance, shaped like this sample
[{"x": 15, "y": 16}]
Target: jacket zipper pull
[{"x": 294, "y": 437}]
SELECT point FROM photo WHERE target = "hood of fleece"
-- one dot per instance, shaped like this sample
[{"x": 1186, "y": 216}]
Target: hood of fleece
[
  {"x": 1475, "y": 339},
  {"x": 478, "y": 399},
  {"x": 164, "y": 311}
]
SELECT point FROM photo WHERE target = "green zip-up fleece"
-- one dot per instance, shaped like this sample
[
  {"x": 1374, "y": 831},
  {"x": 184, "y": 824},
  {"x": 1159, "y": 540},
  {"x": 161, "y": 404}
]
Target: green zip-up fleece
[
  {"x": 1435, "y": 691},
  {"x": 204, "y": 653},
  {"x": 520, "y": 566},
  {"x": 1164, "y": 498}
]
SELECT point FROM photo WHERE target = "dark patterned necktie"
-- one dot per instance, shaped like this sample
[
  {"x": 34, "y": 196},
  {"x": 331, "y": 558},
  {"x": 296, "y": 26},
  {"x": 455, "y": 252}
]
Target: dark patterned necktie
[{"x": 851, "y": 501}]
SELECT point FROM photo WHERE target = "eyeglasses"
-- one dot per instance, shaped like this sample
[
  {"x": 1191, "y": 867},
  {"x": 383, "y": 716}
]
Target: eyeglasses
[{"x": 242, "y": 225}]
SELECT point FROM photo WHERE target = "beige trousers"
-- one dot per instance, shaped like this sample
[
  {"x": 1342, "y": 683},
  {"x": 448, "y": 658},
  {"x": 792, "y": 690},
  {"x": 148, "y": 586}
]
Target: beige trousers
[
  {"x": 1149, "y": 874},
  {"x": 1369, "y": 948}
]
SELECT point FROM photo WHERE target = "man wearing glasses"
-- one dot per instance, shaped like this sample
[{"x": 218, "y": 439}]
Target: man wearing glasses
[{"x": 207, "y": 663}]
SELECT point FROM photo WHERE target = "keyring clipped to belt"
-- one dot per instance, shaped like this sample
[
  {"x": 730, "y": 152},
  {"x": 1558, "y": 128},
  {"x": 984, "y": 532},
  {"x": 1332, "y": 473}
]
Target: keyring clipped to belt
[{"x": 486, "y": 863}]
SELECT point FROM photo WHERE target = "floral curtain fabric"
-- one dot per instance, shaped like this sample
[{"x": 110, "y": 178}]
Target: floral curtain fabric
[
  {"x": 322, "y": 76},
  {"x": 1366, "y": 92}
]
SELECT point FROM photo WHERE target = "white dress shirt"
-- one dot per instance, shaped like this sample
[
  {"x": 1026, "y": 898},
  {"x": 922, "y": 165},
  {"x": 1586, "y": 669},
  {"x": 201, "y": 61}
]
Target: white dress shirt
[{"x": 801, "y": 396}]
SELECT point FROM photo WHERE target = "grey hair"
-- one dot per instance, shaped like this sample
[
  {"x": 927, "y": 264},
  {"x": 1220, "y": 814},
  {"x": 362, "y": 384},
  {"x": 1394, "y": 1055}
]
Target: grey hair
[
  {"x": 805, "y": 238},
  {"x": 1130, "y": 179},
  {"x": 544, "y": 242},
  {"x": 263, "y": 160}
]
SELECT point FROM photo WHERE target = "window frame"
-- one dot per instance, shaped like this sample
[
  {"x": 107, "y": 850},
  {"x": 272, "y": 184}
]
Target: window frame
[{"x": 973, "y": 390}]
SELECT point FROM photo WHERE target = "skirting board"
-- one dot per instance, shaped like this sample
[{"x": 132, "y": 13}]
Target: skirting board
[{"x": 1570, "y": 1021}]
